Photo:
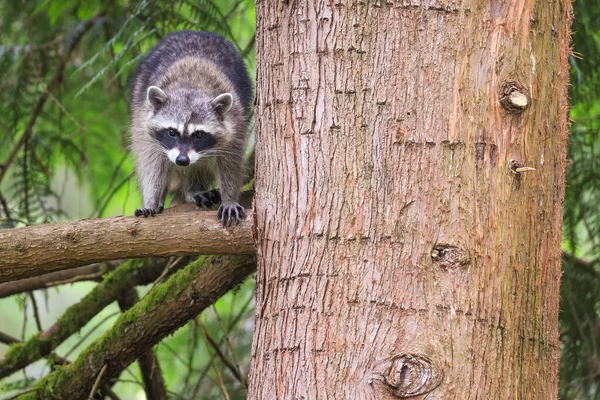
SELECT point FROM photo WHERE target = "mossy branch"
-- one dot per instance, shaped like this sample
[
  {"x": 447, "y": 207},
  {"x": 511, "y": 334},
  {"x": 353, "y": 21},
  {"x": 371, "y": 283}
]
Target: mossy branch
[
  {"x": 165, "y": 308},
  {"x": 126, "y": 276},
  {"x": 154, "y": 383}
]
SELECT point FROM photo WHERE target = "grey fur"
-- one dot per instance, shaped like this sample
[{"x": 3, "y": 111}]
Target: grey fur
[{"x": 191, "y": 81}]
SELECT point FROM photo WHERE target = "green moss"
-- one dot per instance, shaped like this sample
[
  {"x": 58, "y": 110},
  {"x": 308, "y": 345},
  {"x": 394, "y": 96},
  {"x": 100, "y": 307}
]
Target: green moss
[
  {"x": 92, "y": 358},
  {"x": 180, "y": 281},
  {"x": 177, "y": 283},
  {"x": 79, "y": 314},
  {"x": 74, "y": 318},
  {"x": 50, "y": 386},
  {"x": 124, "y": 271},
  {"x": 20, "y": 354}
]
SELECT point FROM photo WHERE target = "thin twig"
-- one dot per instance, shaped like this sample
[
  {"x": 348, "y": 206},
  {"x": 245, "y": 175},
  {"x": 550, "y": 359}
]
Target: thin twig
[
  {"x": 67, "y": 113},
  {"x": 232, "y": 325},
  {"x": 236, "y": 364},
  {"x": 84, "y": 337},
  {"x": 97, "y": 383},
  {"x": 192, "y": 346},
  {"x": 24, "y": 329},
  {"x": 112, "y": 193},
  {"x": 107, "y": 391},
  {"x": 5, "y": 207},
  {"x": 111, "y": 181},
  {"x": 36, "y": 312},
  {"x": 233, "y": 9},
  {"x": 249, "y": 47},
  {"x": 15, "y": 220},
  {"x": 96, "y": 276},
  {"x": 39, "y": 162},
  {"x": 175, "y": 354},
  {"x": 167, "y": 270},
  {"x": 212, "y": 360},
  {"x": 8, "y": 339},
  {"x": 131, "y": 381},
  {"x": 224, "y": 359},
  {"x": 21, "y": 393}
]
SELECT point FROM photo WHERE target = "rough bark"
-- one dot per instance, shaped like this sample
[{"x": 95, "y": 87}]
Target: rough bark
[
  {"x": 40, "y": 249},
  {"x": 404, "y": 247},
  {"x": 165, "y": 308}
]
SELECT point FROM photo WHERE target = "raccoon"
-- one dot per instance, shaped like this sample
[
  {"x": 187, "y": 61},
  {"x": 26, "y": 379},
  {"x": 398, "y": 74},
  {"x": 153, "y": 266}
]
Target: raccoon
[{"x": 189, "y": 107}]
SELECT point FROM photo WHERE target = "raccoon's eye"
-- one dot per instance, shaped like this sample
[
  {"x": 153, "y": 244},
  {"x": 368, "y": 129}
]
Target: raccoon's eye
[
  {"x": 198, "y": 134},
  {"x": 172, "y": 132}
]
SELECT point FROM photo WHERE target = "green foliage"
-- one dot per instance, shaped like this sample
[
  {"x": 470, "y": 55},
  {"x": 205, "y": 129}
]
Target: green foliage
[
  {"x": 73, "y": 161},
  {"x": 580, "y": 308}
]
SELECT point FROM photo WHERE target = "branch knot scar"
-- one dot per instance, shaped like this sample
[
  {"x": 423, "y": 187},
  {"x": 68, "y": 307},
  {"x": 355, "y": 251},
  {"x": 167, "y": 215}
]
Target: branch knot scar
[{"x": 407, "y": 375}]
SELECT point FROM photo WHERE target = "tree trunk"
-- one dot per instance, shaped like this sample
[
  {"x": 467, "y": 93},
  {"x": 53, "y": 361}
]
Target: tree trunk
[{"x": 405, "y": 245}]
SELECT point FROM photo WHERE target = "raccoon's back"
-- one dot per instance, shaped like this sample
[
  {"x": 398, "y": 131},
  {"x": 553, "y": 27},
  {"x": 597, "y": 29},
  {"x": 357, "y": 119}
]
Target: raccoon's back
[{"x": 203, "y": 45}]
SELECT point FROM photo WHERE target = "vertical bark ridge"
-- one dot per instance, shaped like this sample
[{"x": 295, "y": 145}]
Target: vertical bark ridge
[{"x": 399, "y": 254}]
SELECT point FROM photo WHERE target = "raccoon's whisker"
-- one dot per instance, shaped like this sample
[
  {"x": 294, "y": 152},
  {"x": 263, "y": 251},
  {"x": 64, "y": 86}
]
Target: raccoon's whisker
[{"x": 219, "y": 152}]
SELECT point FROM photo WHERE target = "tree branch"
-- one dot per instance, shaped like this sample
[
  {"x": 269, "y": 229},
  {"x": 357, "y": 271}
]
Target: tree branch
[
  {"x": 164, "y": 309},
  {"x": 8, "y": 339},
  {"x": 154, "y": 384},
  {"x": 40, "y": 249},
  {"x": 88, "y": 272},
  {"x": 129, "y": 274}
]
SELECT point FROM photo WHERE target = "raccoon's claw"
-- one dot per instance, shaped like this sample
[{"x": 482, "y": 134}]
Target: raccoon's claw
[
  {"x": 230, "y": 211},
  {"x": 207, "y": 199},
  {"x": 147, "y": 212}
]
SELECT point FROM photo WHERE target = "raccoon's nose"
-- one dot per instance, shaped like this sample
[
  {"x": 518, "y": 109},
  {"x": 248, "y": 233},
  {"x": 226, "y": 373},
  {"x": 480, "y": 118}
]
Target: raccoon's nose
[{"x": 182, "y": 160}]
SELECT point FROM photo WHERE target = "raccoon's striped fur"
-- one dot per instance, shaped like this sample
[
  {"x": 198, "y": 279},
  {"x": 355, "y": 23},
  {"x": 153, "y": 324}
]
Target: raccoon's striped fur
[{"x": 189, "y": 105}]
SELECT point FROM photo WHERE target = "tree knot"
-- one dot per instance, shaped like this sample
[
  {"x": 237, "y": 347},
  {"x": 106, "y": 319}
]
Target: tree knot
[
  {"x": 514, "y": 97},
  {"x": 448, "y": 256},
  {"x": 408, "y": 375}
]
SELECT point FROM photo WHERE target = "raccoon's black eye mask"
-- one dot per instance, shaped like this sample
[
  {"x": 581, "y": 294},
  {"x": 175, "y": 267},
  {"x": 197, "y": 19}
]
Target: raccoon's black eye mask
[{"x": 171, "y": 138}]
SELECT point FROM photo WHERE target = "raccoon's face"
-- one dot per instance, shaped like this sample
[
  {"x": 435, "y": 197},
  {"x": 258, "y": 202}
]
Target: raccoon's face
[{"x": 187, "y": 125}]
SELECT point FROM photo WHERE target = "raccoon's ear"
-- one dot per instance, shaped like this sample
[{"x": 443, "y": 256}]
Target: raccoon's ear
[
  {"x": 156, "y": 97},
  {"x": 222, "y": 103}
]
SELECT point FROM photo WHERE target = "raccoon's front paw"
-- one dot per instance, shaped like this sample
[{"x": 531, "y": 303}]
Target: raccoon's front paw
[
  {"x": 147, "y": 212},
  {"x": 207, "y": 199},
  {"x": 230, "y": 211}
]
